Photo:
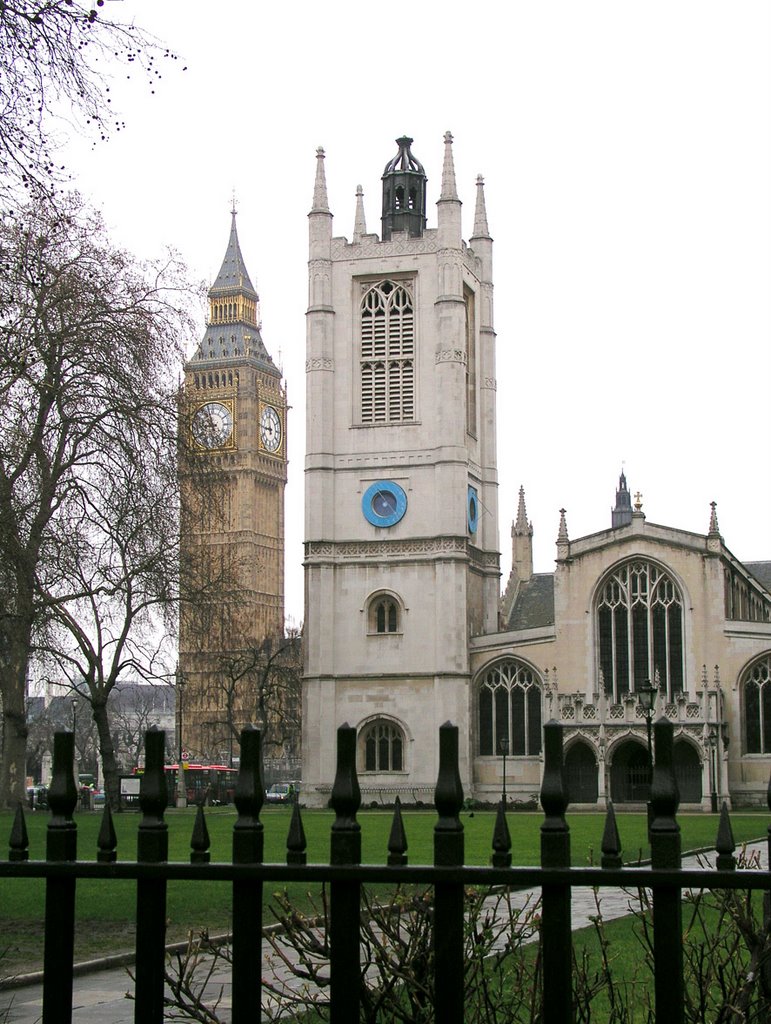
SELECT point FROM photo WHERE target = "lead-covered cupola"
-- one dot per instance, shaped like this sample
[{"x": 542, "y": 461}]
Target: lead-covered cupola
[{"x": 404, "y": 193}]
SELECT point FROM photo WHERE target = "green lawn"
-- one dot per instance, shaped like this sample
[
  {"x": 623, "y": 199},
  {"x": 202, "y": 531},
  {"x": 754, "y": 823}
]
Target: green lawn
[{"x": 106, "y": 911}]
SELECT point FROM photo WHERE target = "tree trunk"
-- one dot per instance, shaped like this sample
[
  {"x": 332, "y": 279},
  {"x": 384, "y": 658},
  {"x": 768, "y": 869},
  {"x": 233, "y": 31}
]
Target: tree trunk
[
  {"x": 107, "y": 754},
  {"x": 13, "y": 776}
]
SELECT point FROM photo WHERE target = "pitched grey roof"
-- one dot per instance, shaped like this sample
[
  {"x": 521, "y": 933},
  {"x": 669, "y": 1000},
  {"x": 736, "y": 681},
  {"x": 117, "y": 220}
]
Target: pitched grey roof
[
  {"x": 534, "y": 605},
  {"x": 225, "y": 341},
  {"x": 233, "y": 275},
  {"x": 761, "y": 571}
]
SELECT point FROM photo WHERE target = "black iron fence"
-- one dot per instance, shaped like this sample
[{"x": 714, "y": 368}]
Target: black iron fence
[{"x": 345, "y": 876}]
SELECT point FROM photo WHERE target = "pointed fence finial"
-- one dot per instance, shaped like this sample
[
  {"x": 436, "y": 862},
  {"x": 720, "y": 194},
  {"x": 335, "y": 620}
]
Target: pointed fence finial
[
  {"x": 360, "y": 223},
  {"x": 555, "y": 835},
  {"x": 199, "y": 841},
  {"x": 19, "y": 841},
  {"x": 320, "y": 200},
  {"x": 397, "y": 840},
  {"x": 481, "y": 229},
  {"x": 611, "y": 841},
  {"x": 725, "y": 845},
  {"x": 296, "y": 843},
  {"x": 153, "y": 835},
  {"x": 449, "y": 188},
  {"x": 501, "y": 839},
  {"x": 107, "y": 840}
]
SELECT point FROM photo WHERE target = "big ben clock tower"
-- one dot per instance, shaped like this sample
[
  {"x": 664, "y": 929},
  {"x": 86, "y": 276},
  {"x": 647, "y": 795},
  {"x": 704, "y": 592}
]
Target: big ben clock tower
[{"x": 233, "y": 473}]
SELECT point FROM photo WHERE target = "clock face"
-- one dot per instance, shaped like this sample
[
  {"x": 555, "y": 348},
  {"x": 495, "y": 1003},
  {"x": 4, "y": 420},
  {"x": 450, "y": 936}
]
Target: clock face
[
  {"x": 212, "y": 425},
  {"x": 384, "y": 503},
  {"x": 270, "y": 429},
  {"x": 472, "y": 509}
]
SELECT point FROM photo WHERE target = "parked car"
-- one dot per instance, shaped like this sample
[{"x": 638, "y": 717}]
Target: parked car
[
  {"x": 282, "y": 792},
  {"x": 37, "y": 798}
]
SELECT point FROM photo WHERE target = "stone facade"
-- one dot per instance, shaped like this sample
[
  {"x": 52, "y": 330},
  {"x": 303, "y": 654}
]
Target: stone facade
[{"x": 404, "y": 626}]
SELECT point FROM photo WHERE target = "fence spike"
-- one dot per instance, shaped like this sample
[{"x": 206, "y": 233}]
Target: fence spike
[
  {"x": 153, "y": 835},
  {"x": 501, "y": 839},
  {"x": 611, "y": 841},
  {"x": 448, "y": 798},
  {"x": 724, "y": 844},
  {"x": 345, "y": 801},
  {"x": 296, "y": 844},
  {"x": 61, "y": 835},
  {"x": 199, "y": 841},
  {"x": 665, "y": 799},
  {"x": 555, "y": 834},
  {"x": 248, "y": 833},
  {"x": 107, "y": 841},
  {"x": 397, "y": 840},
  {"x": 19, "y": 841}
]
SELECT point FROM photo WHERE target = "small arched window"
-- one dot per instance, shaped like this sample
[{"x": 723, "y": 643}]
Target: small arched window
[
  {"x": 381, "y": 746},
  {"x": 384, "y": 615},
  {"x": 510, "y": 710},
  {"x": 756, "y": 689}
]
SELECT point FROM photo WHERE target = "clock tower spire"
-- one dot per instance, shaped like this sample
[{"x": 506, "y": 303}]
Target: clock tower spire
[{"x": 232, "y": 479}]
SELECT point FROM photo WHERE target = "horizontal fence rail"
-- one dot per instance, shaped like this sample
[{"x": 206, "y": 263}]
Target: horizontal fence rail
[{"x": 346, "y": 876}]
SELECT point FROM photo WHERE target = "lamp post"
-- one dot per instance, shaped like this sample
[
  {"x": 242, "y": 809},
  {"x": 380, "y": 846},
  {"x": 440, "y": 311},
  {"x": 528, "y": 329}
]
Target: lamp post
[
  {"x": 503, "y": 745},
  {"x": 712, "y": 747},
  {"x": 646, "y": 695}
]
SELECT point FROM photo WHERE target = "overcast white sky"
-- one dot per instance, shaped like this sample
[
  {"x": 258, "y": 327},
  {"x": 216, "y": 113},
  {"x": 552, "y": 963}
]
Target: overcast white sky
[{"x": 626, "y": 150}]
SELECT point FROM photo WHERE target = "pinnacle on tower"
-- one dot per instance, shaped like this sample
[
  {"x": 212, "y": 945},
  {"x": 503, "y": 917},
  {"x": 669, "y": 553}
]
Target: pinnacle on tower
[
  {"x": 562, "y": 535},
  {"x": 481, "y": 229},
  {"x": 521, "y": 526},
  {"x": 621, "y": 515},
  {"x": 360, "y": 223},
  {"x": 404, "y": 193},
  {"x": 449, "y": 188},
  {"x": 714, "y": 529},
  {"x": 320, "y": 200}
]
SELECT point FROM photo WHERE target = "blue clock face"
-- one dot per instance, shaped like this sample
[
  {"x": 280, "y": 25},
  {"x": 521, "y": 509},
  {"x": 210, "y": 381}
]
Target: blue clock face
[
  {"x": 384, "y": 503},
  {"x": 472, "y": 509}
]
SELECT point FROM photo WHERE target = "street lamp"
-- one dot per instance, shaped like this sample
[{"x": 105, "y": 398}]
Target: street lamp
[
  {"x": 712, "y": 743},
  {"x": 646, "y": 695},
  {"x": 181, "y": 788},
  {"x": 503, "y": 745},
  {"x": 74, "y": 703}
]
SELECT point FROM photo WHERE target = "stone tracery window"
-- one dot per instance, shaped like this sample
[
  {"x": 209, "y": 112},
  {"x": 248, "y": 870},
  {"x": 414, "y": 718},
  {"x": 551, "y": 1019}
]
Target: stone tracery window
[
  {"x": 387, "y": 353},
  {"x": 640, "y": 630},
  {"x": 381, "y": 745},
  {"x": 510, "y": 708},
  {"x": 756, "y": 689},
  {"x": 384, "y": 615}
]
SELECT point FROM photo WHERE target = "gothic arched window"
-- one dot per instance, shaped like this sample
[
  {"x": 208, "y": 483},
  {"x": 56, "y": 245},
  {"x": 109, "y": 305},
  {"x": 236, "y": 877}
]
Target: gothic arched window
[
  {"x": 640, "y": 630},
  {"x": 756, "y": 689},
  {"x": 384, "y": 615},
  {"x": 381, "y": 744},
  {"x": 510, "y": 709},
  {"x": 387, "y": 354}
]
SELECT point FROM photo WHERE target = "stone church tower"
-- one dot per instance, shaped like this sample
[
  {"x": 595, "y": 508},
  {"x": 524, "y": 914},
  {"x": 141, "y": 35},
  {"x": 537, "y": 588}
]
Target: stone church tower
[
  {"x": 401, "y": 522},
  {"x": 233, "y": 473}
]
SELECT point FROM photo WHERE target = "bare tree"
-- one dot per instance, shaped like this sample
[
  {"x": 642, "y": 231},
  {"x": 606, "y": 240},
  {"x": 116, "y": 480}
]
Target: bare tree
[
  {"x": 262, "y": 683},
  {"x": 89, "y": 345},
  {"x": 54, "y": 57}
]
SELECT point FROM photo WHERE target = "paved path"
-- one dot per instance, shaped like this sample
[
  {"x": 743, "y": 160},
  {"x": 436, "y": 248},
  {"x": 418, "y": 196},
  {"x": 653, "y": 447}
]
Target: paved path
[{"x": 100, "y": 997}]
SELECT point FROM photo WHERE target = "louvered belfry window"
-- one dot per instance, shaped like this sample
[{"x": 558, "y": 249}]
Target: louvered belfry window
[{"x": 388, "y": 353}]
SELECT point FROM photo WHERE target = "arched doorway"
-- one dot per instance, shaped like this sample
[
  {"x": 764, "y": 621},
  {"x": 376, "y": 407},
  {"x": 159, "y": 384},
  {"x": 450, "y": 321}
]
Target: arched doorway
[
  {"x": 687, "y": 772},
  {"x": 629, "y": 774},
  {"x": 581, "y": 774}
]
